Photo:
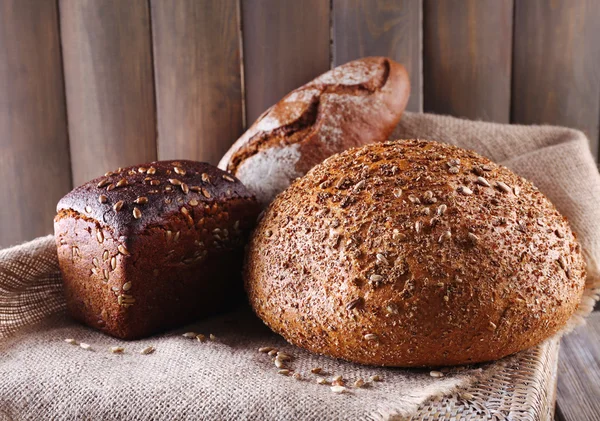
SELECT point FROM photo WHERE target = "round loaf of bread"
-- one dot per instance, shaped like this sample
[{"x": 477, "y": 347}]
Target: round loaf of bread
[{"x": 413, "y": 253}]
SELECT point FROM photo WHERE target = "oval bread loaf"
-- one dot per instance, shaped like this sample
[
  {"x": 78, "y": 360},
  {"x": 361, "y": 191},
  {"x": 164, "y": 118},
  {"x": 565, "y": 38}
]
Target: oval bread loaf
[
  {"x": 413, "y": 253},
  {"x": 354, "y": 104}
]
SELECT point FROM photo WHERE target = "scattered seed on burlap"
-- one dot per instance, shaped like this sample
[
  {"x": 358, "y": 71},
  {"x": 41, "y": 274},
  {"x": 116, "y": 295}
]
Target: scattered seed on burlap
[{"x": 284, "y": 356}]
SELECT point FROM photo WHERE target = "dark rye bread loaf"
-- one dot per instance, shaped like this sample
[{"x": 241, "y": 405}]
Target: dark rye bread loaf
[
  {"x": 357, "y": 103},
  {"x": 150, "y": 247},
  {"x": 413, "y": 253}
]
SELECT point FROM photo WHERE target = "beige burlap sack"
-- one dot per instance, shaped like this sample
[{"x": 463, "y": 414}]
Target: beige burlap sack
[{"x": 43, "y": 377}]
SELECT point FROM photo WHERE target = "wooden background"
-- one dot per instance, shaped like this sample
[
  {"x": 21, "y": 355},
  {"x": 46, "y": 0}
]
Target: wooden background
[{"x": 90, "y": 85}]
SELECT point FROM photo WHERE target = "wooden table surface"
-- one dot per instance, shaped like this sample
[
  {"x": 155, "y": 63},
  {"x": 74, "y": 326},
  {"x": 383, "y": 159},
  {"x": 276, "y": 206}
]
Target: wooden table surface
[{"x": 579, "y": 374}]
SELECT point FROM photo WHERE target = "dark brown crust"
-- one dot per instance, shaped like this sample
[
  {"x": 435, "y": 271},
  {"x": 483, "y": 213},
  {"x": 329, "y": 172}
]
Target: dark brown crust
[
  {"x": 133, "y": 277},
  {"x": 162, "y": 198},
  {"x": 509, "y": 275}
]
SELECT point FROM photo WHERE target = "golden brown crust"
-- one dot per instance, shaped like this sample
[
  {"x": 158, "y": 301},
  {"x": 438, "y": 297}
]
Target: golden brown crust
[
  {"x": 132, "y": 275},
  {"x": 354, "y": 104},
  {"x": 413, "y": 253}
]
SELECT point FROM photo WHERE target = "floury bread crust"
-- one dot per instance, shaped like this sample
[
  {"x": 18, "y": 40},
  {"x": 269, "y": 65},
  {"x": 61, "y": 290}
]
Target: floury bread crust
[
  {"x": 354, "y": 104},
  {"x": 150, "y": 247},
  {"x": 413, "y": 253}
]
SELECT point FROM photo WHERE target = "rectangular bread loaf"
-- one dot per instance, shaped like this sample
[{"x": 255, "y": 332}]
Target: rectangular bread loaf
[{"x": 150, "y": 247}]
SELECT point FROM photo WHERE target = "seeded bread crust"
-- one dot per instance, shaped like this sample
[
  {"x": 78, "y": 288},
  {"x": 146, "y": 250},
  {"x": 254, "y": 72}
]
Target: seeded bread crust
[
  {"x": 142, "y": 248},
  {"x": 354, "y": 104},
  {"x": 413, "y": 253}
]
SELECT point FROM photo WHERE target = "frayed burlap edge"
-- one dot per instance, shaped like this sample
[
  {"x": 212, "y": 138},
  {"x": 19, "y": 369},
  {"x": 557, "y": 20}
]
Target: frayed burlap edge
[{"x": 591, "y": 295}]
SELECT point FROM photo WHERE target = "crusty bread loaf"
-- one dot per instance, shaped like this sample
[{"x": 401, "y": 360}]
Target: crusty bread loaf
[
  {"x": 149, "y": 247},
  {"x": 354, "y": 104},
  {"x": 413, "y": 253}
]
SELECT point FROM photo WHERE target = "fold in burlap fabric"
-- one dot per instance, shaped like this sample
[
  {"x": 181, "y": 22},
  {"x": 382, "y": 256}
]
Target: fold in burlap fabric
[{"x": 41, "y": 376}]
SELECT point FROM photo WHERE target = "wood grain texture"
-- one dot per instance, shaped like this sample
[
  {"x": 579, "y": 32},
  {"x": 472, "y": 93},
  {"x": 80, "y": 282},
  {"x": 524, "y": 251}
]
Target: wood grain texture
[
  {"x": 467, "y": 47},
  {"x": 579, "y": 373},
  {"x": 556, "y": 57},
  {"x": 197, "y": 64},
  {"x": 34, "y": 148},
  {"x": 109, "y": 84},
  {"x": 381, "y": 28},
  {"x": 286, "y": 44}
]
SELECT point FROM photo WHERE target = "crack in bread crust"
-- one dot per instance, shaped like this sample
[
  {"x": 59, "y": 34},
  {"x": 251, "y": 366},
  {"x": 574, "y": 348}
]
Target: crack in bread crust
[{"x": 305, "y": 124}]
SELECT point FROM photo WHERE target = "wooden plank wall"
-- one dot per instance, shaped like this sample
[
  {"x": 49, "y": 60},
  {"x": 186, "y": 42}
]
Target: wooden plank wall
[
  {"x": 109, "y": 84},
  {"x": 198, "y": 79},
  {"x": 556, "y": 57},
  {"x": 34, "y": 150},
  {"x": 90, "y": 85},
  {"x": 467, "y": 51}
]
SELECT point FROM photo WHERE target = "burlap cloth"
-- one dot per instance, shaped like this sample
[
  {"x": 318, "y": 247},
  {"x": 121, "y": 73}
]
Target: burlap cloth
[{"x": 43, "y": 377}]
